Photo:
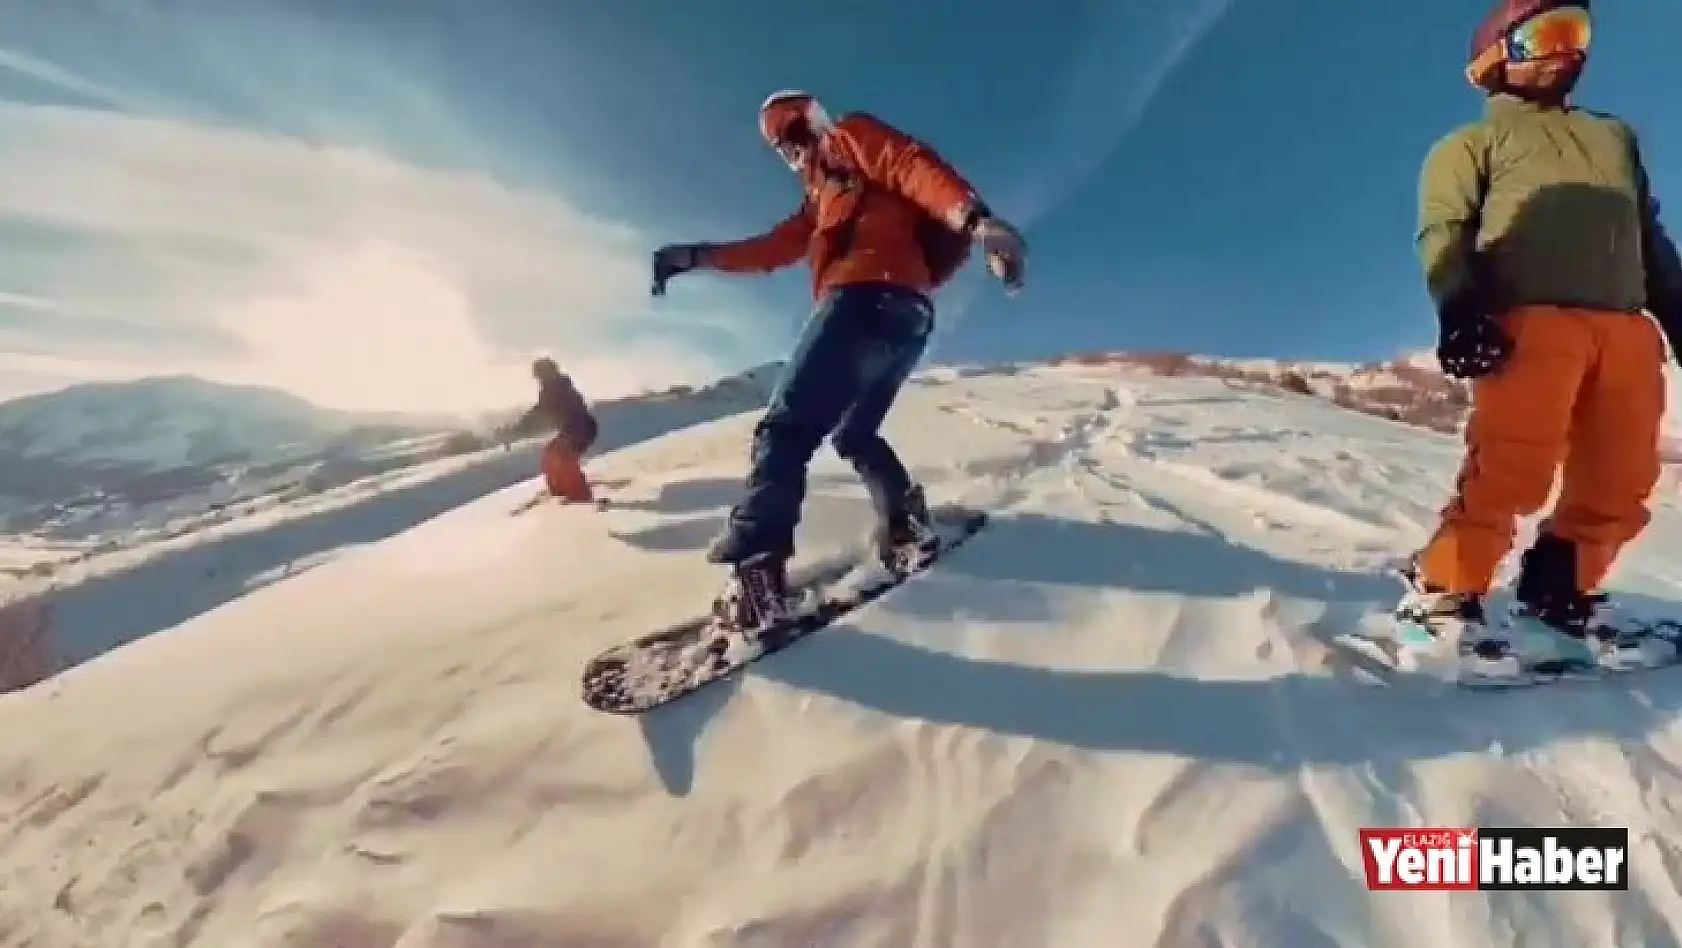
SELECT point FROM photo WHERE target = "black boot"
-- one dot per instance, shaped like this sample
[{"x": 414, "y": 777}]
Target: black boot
[
  {"x": 905, "y": 539},
  {"x": 1547, "y": 590},
  {"x": 754, "y": 597}
]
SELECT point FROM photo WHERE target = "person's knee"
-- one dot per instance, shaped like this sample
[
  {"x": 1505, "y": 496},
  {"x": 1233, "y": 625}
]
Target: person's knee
[
  {"x": 851, "y": 445},
  {"x": 1612, "y": 490},
  {"x": 1529, "y": 493},
  {"x": 779, "y": 438},
  {"x": 1507, "y": 479}
]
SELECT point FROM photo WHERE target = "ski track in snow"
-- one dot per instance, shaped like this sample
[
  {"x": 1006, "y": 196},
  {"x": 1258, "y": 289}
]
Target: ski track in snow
[{"x": 1115, "y": 717}]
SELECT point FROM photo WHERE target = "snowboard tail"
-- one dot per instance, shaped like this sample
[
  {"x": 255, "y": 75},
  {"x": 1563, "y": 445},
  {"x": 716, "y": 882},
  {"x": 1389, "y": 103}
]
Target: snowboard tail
[{"x": 669, "y": 663}]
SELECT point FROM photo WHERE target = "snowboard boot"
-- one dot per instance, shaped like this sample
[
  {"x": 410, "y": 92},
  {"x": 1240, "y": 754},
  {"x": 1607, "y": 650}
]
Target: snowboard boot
[
  {"x": 905, "y": 539},
  {"x": 754, "y": 598},
  {"x": 1550, "y": 606},
  {"x": 1427, "y": 615}
]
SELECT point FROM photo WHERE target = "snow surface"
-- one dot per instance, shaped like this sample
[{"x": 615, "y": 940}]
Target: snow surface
[
  {"x": 1111, "y": 719},
  {"x": 152, "y": 580}
]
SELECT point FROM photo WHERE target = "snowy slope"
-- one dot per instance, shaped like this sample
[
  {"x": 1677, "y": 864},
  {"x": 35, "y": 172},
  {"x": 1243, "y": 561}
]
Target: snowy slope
[
  {"x": 145, "y": 580},
  {"x": 1110, "y": 720}
]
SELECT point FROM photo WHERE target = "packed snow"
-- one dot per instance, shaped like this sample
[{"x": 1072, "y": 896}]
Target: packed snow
[{"x": 1113, "y": 718}]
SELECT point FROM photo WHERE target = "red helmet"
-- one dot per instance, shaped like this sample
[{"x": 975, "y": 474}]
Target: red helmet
[
  {"x": 1488, "y": 48},
  {"x": 792, "y": 122}
]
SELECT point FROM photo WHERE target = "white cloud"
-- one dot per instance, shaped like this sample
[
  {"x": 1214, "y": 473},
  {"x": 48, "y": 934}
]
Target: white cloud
[{"x": 145, "y": 244}]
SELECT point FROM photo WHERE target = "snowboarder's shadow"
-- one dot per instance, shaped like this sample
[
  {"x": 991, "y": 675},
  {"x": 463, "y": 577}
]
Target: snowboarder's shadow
[
  {"x": 1279, "y": 723},
  {"x": 672, "y": 732},
  {"x": 716, "y": 494},
  {"x": 693, "y": 533},
  {"x": 696, "y": 495},
  {"x": 1012, "y": 573},
  {"x": 824, "y": 514}
]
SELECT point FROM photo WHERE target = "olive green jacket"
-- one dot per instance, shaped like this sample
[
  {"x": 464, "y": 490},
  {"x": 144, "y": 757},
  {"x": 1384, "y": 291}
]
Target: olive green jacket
[{"x": 1541, "y": 205}]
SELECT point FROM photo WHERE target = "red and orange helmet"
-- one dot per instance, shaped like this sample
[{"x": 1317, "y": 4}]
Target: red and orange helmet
[{"x": 1519, "y": 30}]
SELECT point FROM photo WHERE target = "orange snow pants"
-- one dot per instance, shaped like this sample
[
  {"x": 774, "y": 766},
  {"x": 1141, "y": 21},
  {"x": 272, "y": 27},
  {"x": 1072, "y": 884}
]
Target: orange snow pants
[
  {"x": 563, "y": 473},
  {"x": 1583, "y": 388}
]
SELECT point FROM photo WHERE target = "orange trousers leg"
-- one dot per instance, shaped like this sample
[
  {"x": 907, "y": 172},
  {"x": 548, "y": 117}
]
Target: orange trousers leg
[
  {"x": 563, "y": 473},
  {"x": 1612, "y": 463},
  {"x": 1517, "y": 435},
  {"x": 1584, "y": 389}
]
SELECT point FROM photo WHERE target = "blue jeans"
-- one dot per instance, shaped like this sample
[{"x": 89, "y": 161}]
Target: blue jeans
[{"x": 859, "y": 346}]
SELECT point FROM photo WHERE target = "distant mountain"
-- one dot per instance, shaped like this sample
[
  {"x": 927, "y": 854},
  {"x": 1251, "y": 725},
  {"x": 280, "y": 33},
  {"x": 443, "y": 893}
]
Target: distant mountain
[
  {"x": 166, "y": 422},
  {"x": 91, "y": 464},
  {"x": 83, "y": 450}
]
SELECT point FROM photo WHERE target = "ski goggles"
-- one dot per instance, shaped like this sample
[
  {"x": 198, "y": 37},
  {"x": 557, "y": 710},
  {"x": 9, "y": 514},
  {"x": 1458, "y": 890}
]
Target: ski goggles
[
  {"x": 793, "y": 139},
  {"x": 794, "y": 127},
  {"x": 793, "y": 143},
  {"x": 1560, "y": 31}
]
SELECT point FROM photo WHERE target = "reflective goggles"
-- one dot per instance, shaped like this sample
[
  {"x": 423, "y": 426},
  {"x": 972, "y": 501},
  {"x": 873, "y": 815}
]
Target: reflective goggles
[{"x": 1558, "y": 31}]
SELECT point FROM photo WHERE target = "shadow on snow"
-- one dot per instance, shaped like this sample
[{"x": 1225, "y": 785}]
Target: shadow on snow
[{"x": 1279, "y": 724}]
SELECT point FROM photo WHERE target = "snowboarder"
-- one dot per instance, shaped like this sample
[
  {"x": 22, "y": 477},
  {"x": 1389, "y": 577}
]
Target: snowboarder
[
  {"x": 883, "y": 223},
  {"x": 561, "y": 408},
  {"x": 1544, "y": 255}
]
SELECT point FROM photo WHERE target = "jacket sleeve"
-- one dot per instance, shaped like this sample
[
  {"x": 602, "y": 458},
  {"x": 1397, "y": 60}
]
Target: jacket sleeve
[
  {"x": 527, "y": 424},
  {"x": 1451, "y": 193},
  {"x": 897, "y": 161},
  {"x": 782, "y": 246},
  {"x": 1660, "y": 259}
]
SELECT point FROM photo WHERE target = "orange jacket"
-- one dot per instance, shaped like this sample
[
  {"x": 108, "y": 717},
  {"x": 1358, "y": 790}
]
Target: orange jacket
[{"x": 882, "y": 246}]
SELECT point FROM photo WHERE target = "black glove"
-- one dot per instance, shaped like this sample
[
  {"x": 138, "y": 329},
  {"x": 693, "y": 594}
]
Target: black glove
[
  {"x": 1469, "y": 344},
  {"x": 673, "y": 259}
]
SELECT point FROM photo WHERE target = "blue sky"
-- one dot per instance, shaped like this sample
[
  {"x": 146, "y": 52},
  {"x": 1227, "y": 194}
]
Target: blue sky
[{"x": 393, "y": 203}]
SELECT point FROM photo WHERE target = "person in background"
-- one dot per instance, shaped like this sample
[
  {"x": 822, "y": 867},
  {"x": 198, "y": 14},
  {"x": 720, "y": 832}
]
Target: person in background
[
  {"x": 1556, "y": 288},
  {"x": 560, "y": 408}
]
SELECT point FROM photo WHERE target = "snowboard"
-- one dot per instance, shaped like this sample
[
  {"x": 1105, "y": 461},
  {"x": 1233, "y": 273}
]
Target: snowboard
[
  {"x": 600, "y": 503},
  {"x": 1636, "y": 643},
  {"x": 669, "y": 663}
]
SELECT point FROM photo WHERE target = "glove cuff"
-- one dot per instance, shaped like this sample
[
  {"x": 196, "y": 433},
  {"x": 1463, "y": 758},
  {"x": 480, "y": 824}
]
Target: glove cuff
[{"x": 969, "y": 218}]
